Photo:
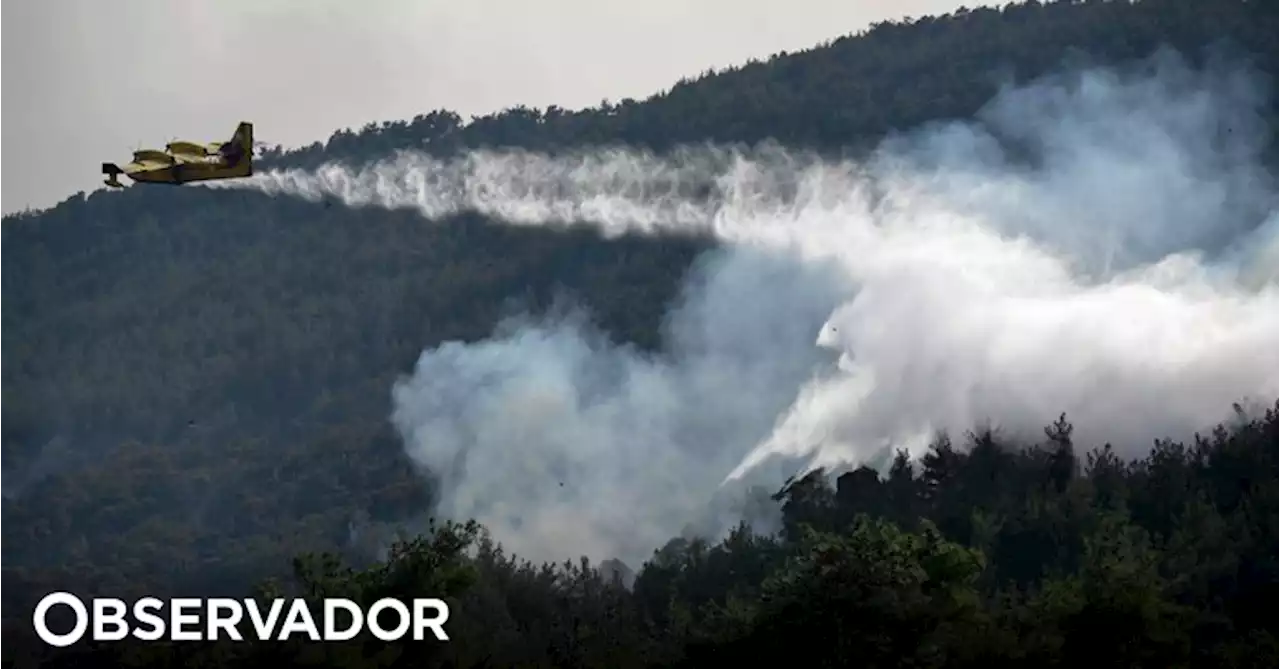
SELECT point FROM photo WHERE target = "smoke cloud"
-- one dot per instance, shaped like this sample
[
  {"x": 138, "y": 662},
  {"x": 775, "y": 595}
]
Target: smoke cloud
[{"x": 1101, "y": 242}]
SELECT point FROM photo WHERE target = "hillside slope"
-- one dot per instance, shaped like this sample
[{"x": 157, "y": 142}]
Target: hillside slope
[{"x": 198, "y": 382}]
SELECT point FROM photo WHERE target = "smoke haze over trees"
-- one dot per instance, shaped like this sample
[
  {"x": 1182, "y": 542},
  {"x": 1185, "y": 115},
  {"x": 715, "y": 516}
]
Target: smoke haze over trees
[{"x": 895, "y": 258}]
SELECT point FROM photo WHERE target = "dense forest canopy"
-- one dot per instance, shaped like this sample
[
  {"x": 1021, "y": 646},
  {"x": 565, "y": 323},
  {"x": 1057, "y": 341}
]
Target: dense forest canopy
[{"x": 207, "y": 391}]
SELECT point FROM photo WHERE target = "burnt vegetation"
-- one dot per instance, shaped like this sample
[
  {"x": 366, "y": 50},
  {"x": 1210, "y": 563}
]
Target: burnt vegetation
[{"x": 196, "y": 395}]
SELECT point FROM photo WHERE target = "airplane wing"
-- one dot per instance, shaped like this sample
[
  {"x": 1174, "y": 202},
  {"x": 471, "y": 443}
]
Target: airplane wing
[
  {"x": 149, "y": 160},
  {"x": 192, "y": 149},
  {"x": 145, "y": 165},
  {"x": 179, "y": 150}
]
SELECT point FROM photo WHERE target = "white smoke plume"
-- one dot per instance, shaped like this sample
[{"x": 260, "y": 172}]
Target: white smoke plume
[{"x": 1101, "y": 243}]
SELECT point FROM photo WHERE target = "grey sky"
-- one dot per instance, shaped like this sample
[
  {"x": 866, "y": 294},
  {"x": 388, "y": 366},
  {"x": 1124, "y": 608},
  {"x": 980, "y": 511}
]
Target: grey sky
[{"x": 90, "y": 80}]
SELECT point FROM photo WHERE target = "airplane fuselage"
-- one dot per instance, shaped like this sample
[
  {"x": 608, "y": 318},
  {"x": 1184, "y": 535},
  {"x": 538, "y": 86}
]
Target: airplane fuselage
[{"x": 186, "y": 172}]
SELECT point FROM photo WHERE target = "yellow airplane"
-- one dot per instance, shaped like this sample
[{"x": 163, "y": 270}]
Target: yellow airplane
[{"x": 183, "y": 162}]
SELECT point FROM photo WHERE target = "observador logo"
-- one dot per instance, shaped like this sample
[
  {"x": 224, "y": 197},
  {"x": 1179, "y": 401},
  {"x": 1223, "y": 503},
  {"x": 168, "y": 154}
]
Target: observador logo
[{"x": 213, "y": 619}]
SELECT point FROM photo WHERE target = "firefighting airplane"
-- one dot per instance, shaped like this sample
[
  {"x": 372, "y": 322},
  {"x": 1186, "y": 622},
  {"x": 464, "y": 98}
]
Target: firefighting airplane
[{"x": 184, "y": 162}]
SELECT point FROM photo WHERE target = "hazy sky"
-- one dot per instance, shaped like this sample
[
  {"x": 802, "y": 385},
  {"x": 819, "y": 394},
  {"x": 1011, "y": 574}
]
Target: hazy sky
[{"x": 87, "y": 81}]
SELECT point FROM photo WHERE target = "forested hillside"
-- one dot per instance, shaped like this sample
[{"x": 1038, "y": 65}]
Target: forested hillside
[{"x": 198, "y": 382}]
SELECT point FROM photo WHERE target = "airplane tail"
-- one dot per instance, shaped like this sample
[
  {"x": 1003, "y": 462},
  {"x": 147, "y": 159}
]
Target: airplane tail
[
  {"x": 242, "y": 148},
  {"x": 244, "y": 137}
]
